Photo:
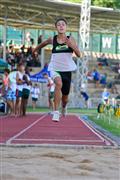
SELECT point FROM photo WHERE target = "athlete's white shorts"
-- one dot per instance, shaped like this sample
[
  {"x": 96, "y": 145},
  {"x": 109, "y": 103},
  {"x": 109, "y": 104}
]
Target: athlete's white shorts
[{"x": 54, "y": 74}]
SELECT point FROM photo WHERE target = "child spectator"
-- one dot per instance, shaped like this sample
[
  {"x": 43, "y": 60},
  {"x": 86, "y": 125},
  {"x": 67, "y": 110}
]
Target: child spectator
[
  {"x": 35, "y": 91},
  {"x": 51, "y": 87}
]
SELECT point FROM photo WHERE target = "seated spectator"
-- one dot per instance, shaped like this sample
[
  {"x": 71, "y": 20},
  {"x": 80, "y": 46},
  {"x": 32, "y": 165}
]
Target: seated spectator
[
  {"x": 103, "y": 60},
  {"x": 111, "y": 85},
  {"x": 89, "y": 76},
  {"x": 103, "y": 80},
  {"x": 96, "y": 77},
  {"x": 35, "y": 62}
]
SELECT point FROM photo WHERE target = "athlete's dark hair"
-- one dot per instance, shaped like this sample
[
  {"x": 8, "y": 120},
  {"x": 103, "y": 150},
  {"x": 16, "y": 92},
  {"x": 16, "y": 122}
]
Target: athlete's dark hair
[{"x": 60, "y": 19}]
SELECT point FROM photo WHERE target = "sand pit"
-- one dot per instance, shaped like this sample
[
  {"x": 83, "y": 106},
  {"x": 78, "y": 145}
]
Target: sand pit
[{"x": 35, "y": 163}]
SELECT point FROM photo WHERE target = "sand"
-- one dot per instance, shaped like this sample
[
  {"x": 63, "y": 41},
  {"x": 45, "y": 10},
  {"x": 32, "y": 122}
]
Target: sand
[{"x": 35, "y": 163}]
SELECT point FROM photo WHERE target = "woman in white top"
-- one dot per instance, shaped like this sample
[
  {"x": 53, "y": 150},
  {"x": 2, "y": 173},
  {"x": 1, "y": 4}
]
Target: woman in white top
[
  {"x": 61, "y": 64},
  {"x": 20, "y": 82}
]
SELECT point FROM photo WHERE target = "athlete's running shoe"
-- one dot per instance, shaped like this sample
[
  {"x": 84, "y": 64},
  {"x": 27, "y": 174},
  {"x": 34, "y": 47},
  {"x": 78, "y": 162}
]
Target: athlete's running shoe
[
  {"x": 64, "y": 111},
  {"x": 56, "y": 116}
]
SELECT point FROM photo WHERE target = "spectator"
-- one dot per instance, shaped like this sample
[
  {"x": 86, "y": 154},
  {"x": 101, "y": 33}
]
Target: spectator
[
  {"x": 89, "y": 76},
  {"x": 103, "y": 60},
  {"x": 111, "y": 85},
  {"x": 105, "y": 96},
  {"x": 51, "y": 87},
  {"x": 25, "y": 92},
  {"x": 5, "y": 82},
  {"x": 103, "y": 80},
  {"x": 96, "y": 77},
  {"x": 35, "y": 94},
  {"x": 20, "y": 82},
  {"x": 11, "y": 93}
]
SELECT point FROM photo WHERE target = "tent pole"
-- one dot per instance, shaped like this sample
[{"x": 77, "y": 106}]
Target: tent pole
[
  {"x": 23, "y": 36},
  {"x": 42, "y": 50},
  {"x": 4, "y": 38}
]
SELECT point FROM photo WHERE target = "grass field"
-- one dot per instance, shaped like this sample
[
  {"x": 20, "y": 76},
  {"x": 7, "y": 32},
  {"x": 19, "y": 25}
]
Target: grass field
[{"x": 113, "y": 127}]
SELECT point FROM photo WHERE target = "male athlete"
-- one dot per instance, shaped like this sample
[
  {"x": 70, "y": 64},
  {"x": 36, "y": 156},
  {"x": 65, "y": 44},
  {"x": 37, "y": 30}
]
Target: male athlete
[{"x": 61, "y": 64}]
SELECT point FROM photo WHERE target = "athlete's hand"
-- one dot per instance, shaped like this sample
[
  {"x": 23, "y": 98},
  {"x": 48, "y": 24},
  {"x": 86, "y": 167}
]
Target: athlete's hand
[{"x": 70, "y": 42}]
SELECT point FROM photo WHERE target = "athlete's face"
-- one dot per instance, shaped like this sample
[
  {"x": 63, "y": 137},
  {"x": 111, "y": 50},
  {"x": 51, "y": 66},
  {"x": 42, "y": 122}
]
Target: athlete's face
[{"x": 61, "y": 27}]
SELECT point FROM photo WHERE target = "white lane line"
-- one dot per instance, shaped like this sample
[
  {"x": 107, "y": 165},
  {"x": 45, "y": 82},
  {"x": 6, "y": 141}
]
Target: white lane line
[
  {"x": 59, "y": 140},
  {"x": 97, "y": 134},
  {"x": 24, "y": 130}
]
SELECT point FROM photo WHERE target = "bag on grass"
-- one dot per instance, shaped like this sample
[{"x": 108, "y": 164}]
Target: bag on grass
[
  {"x": 100, "y": 108},
  {"x": 117, "y": 111}
]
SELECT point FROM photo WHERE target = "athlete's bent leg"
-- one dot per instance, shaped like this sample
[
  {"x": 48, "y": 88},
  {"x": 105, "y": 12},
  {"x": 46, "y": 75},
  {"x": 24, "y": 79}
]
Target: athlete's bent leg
[{"x": 57, "y": 93}]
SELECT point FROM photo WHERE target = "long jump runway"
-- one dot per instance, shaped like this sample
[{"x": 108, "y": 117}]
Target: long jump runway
[{"x": 39, "y": 129}]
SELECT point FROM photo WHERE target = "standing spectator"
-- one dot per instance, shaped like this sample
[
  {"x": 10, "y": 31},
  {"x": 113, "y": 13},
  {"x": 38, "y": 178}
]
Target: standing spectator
[
  {"x": 105, "y": 96},
  {"x": 35, "y": 91},
  {"x": 85, "y": 94},
  {"x": 11, "y": 93},
  {"x": 5, "y": 82},
  {"x": 20, "y": 82},
  {"x": 25, "y": 92},
  {"x": 51, "y": 86}
]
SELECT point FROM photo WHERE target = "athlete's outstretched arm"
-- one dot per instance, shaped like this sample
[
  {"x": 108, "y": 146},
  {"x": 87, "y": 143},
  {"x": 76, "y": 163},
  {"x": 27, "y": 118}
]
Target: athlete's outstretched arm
[
  {"x": 43, "y": 44},
  {"x": 72, "y": 43}
]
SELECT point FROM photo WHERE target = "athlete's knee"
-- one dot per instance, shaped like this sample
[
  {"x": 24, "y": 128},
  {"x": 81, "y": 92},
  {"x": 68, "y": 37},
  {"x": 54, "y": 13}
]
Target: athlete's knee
[{"x": 58, "y": 83}]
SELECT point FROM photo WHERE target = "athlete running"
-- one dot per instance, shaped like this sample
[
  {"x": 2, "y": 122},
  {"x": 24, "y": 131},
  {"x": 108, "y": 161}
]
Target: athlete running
[{"x": 61, "y": 64}]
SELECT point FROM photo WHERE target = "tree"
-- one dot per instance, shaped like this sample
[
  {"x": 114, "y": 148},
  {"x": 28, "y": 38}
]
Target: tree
[
  {"x": 106, "y": 3},
  {"x": 103, "y": 3}
]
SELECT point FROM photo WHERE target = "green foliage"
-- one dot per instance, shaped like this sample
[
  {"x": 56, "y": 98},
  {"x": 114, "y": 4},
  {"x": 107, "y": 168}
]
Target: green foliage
[
  {"x": 106, "y": 3},
  {"x": 102, "y": 3}
]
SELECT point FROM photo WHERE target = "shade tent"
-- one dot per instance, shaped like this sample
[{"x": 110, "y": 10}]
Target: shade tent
[
  {"x": 3, "y": 65},
  {"x": 38, "y": 77}
]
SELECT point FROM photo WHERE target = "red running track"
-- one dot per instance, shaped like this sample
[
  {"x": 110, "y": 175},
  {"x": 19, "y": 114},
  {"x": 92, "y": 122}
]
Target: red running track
[{"x": 40, "y": 129}]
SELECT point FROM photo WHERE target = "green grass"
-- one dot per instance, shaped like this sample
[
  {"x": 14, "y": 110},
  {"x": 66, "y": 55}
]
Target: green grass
[{"x": 113, "y": 127}]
